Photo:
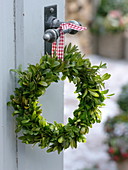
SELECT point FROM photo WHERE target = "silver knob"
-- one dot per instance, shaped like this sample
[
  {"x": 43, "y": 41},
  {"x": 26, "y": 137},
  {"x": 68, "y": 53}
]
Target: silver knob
[{"x": 51, "y": 35}]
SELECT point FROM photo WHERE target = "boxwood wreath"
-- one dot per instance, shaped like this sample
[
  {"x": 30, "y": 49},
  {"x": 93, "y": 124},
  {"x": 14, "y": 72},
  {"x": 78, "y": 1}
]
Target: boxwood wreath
[{"x": 33, "y": 83}]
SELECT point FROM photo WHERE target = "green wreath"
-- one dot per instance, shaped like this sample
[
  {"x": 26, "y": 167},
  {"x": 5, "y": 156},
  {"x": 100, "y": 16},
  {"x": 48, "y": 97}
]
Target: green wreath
[{"x": 33, "y": 84}]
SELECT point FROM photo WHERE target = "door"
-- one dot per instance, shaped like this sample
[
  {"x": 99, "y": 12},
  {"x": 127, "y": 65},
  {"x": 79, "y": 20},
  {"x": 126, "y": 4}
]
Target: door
[{"x": 22, "y": 42}]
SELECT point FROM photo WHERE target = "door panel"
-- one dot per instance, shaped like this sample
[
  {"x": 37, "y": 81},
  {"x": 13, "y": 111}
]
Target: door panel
[{"x": 30, "y": 29}]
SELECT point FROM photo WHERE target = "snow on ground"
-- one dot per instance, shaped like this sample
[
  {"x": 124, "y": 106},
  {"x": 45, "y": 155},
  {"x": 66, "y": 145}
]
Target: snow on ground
[{"x": 93, "y": 152}]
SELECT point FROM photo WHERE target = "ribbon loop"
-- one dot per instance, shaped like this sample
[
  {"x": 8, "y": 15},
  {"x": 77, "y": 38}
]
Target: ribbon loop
[{"x": 60, "y": 48}]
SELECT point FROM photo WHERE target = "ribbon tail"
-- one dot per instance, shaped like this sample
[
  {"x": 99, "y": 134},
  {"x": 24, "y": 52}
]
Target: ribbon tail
[
  {"x": 61, "y": 46},
  {"x": 54, "y": 48}
]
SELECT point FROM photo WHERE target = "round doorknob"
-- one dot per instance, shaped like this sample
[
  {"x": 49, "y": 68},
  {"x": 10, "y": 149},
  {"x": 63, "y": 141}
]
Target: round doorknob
[{"x": 51, "y": 35}]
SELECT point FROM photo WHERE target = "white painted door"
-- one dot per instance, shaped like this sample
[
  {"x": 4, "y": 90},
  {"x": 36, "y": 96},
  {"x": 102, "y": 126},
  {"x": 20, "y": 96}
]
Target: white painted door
[
  {"x": 7, "y": 84},
  {"x": 21, "y": 42}
]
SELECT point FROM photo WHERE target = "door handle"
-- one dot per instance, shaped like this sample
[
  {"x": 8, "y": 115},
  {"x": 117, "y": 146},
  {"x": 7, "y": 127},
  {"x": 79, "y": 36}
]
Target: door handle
[{"x": 52, "y": 29}]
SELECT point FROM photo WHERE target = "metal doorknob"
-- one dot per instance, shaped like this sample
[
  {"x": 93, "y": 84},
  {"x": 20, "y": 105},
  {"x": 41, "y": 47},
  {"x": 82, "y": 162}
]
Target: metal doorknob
[
  {"x": 51, "y": 35},
  {"x": 52, "y": 32}
]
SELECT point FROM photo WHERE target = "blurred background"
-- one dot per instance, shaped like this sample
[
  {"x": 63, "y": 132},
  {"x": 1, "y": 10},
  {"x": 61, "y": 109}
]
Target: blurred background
[{"x": 105, "y": 40}]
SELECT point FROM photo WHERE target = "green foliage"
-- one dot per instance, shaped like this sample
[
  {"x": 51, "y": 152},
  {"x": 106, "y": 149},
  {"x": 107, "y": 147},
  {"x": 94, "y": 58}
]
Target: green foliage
[
  {"x": 123, "y": 99},
  {"x": 117, "y": 129},
  {"x": 33, "y": 83},
  {"x": 108, "y": 5},
  {"x": 111, "y": 17}
]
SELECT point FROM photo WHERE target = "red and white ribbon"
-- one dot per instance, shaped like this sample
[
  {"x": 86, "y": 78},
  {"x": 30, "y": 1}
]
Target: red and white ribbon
[{"x": 60, "y": 48}]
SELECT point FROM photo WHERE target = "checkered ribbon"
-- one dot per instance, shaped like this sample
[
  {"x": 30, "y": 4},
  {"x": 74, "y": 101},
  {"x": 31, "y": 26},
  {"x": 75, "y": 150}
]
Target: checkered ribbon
[{"x": 60, "y": 48}]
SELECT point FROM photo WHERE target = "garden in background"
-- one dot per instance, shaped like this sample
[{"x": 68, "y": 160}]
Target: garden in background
[{"x": 105, "y": 40}]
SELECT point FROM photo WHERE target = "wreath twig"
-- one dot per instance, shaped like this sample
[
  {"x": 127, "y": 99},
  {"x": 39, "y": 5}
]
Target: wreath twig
[{"x": 33, "y": 83}]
